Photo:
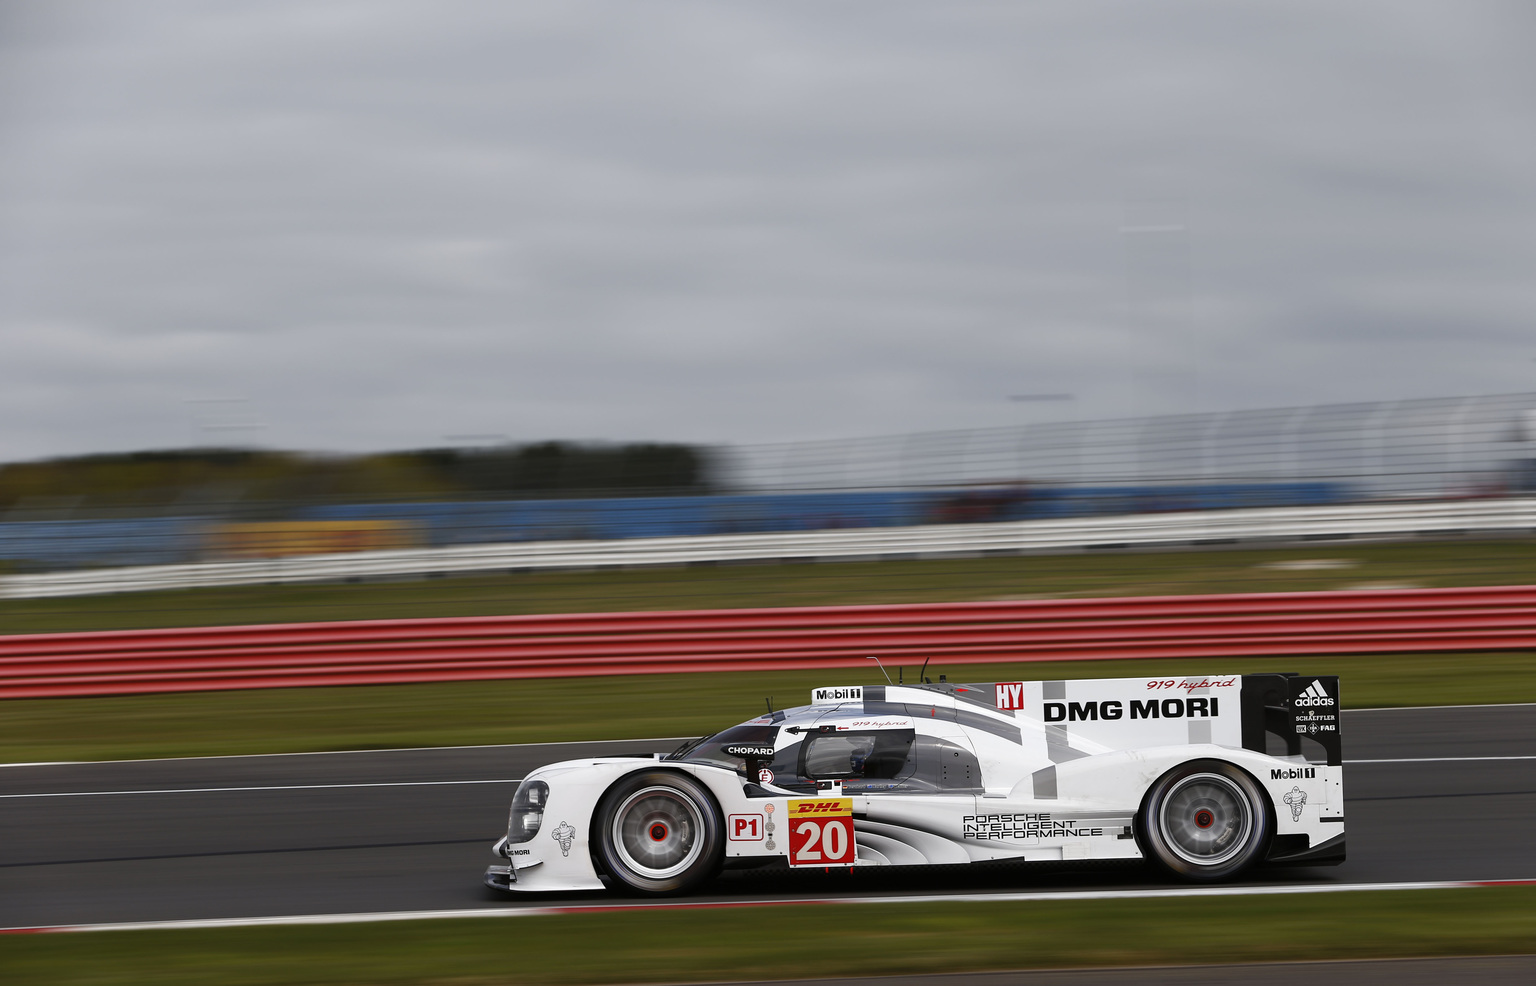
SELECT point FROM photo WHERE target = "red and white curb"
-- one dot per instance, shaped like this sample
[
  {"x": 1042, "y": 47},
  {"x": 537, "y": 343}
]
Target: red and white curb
[{"x": 563, "y": 909}]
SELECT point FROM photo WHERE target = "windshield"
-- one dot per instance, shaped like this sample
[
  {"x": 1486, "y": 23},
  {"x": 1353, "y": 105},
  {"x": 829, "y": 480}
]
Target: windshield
[
  {"x": 878, "y": 755},
  {"x": 731, "y": 747}
]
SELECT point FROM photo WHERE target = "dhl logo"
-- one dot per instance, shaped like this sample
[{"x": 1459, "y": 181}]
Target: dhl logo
[{"x": 836, "y": 806}]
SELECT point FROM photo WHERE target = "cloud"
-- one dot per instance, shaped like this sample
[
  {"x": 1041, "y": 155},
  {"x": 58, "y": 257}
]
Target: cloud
[{"x": 385, "y": 223}]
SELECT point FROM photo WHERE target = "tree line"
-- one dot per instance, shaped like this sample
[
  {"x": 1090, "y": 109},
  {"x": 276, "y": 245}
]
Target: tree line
[{"x": 193, "y": 478}]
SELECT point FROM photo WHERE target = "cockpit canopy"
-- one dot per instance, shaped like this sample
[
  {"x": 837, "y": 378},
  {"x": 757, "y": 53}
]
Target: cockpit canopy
[{"x": 868, "y": 752}]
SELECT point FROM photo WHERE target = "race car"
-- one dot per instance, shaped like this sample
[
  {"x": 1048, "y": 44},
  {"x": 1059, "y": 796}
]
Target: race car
[{"x": 1204, "y": 776}]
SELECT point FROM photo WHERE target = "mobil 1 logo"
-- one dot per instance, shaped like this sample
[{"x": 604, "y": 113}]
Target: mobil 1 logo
[{"x": 1315, "y": 705}]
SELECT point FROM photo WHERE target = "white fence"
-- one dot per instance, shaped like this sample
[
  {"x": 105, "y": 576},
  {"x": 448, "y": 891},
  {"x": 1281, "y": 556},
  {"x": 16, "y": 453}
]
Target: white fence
[
  {"x": 1440, "y": 447},
  {"x": 1376, "y": 521}
]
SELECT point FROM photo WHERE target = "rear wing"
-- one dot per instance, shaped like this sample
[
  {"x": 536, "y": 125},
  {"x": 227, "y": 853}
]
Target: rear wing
[
  {"x": 1098, "y": 715},
  {"x": 1292, "y": 706}
]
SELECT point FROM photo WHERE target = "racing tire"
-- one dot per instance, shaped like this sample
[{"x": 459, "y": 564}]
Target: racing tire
[
  {"x": 1205, "y": 820},
  {"x": 659, "y": 833}
]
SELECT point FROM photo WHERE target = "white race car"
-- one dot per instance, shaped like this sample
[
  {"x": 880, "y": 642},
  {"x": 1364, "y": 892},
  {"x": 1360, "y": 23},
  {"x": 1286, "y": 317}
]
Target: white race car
[{"x": 1205, "y": 776}]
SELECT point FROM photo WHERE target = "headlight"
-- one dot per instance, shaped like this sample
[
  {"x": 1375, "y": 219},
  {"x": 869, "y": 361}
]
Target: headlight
[{"x": 527, "y": 811}]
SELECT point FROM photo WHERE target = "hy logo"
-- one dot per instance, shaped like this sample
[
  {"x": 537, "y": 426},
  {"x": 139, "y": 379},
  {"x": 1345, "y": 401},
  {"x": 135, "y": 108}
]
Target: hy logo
[
  {"x": 1010, "y": 695},
  {"x": 565, "y": 835},
  {"x": 1314, "y": 696},
  {"x": 1297, "y": 799}
]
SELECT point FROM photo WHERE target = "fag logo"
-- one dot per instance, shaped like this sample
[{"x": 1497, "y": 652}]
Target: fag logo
[
  {"x": 1314, "y": 696},
  {"x": 1297, "y": 799},
  {"x": 832, "y": 806}
]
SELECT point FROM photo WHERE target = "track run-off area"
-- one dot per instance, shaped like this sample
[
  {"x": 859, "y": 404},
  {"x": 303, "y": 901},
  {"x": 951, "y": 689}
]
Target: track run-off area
[{"x": 1435, "y": 796}]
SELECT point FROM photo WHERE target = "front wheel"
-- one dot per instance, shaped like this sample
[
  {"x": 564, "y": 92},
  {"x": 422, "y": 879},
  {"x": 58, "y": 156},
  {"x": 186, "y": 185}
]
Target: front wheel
[
  {"x": 659, "y": 833},
  {"x": 1205, "y": 820}
]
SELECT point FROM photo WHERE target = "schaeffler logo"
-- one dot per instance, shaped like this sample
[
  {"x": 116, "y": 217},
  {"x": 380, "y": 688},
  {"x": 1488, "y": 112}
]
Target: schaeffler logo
[
  {"x": 565, "y": 835},
  {"x": 1314, "y": 696},
  {"x": 1297, "y": 799}
]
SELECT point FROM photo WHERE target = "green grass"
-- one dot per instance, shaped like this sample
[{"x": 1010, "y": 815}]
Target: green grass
[
  {"x": 639, "y": 706},
  {"x": 1429, "y": 564},
  {"x": 773, "y": 942}
]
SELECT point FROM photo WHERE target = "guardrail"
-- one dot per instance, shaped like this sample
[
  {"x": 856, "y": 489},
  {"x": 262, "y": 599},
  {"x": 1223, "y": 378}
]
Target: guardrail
[
  {"x": 390, "y": 651},
  {"x": 1372, "y": 521}
]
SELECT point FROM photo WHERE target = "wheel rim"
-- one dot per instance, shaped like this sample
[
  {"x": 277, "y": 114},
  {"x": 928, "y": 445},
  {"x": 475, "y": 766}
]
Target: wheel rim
[
  {"x": 656, "y": 832},
  {"x": 1205, "y": 819}
]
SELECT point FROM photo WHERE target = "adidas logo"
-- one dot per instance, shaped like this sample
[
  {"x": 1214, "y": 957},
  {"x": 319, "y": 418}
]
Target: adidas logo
[{"x": 1314, "y": 696}]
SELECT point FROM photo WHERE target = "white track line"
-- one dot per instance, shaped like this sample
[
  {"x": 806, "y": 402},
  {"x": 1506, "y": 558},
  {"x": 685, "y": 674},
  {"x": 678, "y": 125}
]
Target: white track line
[
  {"x": 1441, "y": 759},
  {"x": 272, "y": 787},
  {"x": 343, "y": 753},
  {"x": 516, "y": 912},
  {"x": 1421, "y": 708}
]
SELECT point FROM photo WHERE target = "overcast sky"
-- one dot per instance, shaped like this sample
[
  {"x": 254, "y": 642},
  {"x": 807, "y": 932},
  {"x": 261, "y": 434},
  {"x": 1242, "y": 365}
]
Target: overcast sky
[{"x": 383, "y": 225}]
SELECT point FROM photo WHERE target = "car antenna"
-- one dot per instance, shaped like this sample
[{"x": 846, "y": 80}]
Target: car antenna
[
  {"x": 924, "y": 668},
  {"x": 769, "y": 700},
  {"x": 899, "y": 671},
  {"x": 876, "y": 659}
]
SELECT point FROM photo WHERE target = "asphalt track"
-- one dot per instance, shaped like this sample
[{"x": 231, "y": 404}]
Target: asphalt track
[{"x": 1433, "y": 794}]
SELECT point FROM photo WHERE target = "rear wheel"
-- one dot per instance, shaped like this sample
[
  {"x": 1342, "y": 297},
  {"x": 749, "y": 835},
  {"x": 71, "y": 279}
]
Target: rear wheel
[
  {"x": 1205, "y": 820},
  {"x": 659, "y": 833}
]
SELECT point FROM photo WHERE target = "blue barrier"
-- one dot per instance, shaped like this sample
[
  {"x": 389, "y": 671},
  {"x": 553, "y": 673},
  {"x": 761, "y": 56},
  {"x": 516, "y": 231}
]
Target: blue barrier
[
  {"x": 41, "y": 544},
  {"x": 89, "y": 543},
  {"x": 637, "y": 517}
]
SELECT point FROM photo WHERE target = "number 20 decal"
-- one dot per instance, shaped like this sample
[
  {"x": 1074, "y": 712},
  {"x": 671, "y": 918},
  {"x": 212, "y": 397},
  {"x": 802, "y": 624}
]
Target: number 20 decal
[{"x": 821, "y": 843}]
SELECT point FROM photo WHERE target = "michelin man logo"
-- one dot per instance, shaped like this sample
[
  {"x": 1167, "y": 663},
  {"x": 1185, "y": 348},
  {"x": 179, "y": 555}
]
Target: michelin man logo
[
  {"x": 1297, "y": 799},
  {"x": 565, "y": 835}
]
